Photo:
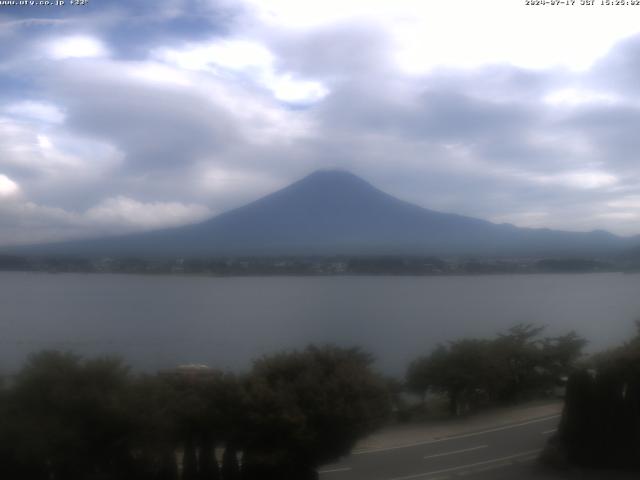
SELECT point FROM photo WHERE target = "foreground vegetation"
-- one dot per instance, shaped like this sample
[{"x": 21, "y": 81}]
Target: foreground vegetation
[
  {"x": 600, "y": 426},
  {"x": 518, "y": 365},
  {"x": 64, "y": 418},
  {"x": 67, "y": 418}
]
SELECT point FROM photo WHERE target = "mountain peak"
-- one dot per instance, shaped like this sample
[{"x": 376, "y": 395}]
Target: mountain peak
[
  {"x": 333, "y": 176},
  {"x": 332, "y": 212},
  {"x": 323, "y": 190},
  {"x": 332, "y": 173},
  {"x": 332, "y": 180}
]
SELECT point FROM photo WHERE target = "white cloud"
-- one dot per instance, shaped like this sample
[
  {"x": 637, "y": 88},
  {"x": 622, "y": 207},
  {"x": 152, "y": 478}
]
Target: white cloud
[
  {"x": 32, "y": 110},
  {"x": 76, "y": 46},
  {"x": 157, "y": 73},
  {"x": 51, "y": 153},
  {"x": 29, "y": 222},
  {"x": 44, "y": 142},
  {"x": 620, "y": 216},
  {"x": 23, "y": 221},
  {"x": 122, "y": 212},
  {"x": 573, "y": 97},
  {"x": 585, "y": 179},
  {"x": 231, "y": 54},
  {"x": 220, "y": 182},
  {"x": 8, "y": 187},
  {"x": 250, "y": 59},
  {"x": 630, "y": 202},
  {"x": 288, "y": 89},
  {"x": 469, "y": 33}
]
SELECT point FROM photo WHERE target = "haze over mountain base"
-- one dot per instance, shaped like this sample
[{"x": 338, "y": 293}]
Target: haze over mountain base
[{"x": 334, "y": 212}]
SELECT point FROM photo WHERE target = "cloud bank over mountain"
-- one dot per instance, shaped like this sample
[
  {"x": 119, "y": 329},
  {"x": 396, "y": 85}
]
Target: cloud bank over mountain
[{"x": 126, "y": 116}]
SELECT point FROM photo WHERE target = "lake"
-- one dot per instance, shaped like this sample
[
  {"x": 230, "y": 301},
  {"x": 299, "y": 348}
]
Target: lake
[{"x": 162, "y": 321}]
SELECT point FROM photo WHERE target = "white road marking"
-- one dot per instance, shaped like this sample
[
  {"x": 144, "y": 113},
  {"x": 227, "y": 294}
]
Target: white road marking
[
  {"x": 470, "y": 465},
  {"x": 528, "y": 458},
  {"x": 456, "y": 451},
  {"x": 547, "y": 432},
  {"x": 334, "y": 470},
  {"x": 455, "y": 437}
]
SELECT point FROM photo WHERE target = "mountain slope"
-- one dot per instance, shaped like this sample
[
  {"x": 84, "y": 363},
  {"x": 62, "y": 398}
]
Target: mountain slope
[{"x": 335, "y": 212}]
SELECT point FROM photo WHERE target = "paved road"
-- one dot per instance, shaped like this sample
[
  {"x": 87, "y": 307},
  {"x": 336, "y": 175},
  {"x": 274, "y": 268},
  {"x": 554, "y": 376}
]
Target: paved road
[{"x": 506, "y": 452}]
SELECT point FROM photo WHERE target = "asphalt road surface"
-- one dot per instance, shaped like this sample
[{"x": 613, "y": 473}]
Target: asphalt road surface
[{"x": 506, "y": 452}]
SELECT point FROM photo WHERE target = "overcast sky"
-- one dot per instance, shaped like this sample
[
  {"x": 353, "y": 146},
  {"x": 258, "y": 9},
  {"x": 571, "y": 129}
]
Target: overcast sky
[{"x": 126, "y": 115}]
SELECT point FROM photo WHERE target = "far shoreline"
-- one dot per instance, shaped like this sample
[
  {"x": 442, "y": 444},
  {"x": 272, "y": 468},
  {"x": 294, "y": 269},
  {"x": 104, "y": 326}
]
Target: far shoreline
[{"x": 319, "y": 275}]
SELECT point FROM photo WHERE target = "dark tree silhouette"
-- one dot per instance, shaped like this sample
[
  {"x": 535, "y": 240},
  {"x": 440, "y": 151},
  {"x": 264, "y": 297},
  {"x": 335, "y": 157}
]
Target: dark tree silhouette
[
  {"x": 600, "y": 425},
  {"x": 65, "y": 418},
  {"x": 308, "y": 408},
  {"x": 189, "y": 462},
  {"x": 168, "y": 466},
  {"x": 208, "y": 465},
  {"x": 514, "y": 366},
  {"x": 230, "y": 467}
]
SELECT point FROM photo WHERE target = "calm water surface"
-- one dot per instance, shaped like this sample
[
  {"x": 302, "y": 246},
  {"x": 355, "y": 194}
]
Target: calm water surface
[{"x": 156, "y": 322}]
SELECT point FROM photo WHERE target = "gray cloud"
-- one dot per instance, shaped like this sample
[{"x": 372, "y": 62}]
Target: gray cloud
[
  {"x": 131, "y": 136},
  {"x": 156, "y": 126},
  {"x": 619, "y": 69},
  {"x": 338, "y": 53}
]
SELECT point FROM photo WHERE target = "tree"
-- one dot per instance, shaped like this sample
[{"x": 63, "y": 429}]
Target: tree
[
  {"x": 208, "y": 465},
  {"x": 190, "y": 461},
  {"x": 211, "y": 408},
  {"x": 600, "y": 425},
  {"x": 459, "y": 370},
  {"x": 513, "y": 366},
  {"x": 418, "y": 378},
  {"x": 68, "y": 417},
  {"x": 517, "y": 357},
  {"x": 154, "y": 409},
  {"x": 230, "y": 468},
  {"x": 561, "y": 354},
  {"x": 308, "y": 408}
]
